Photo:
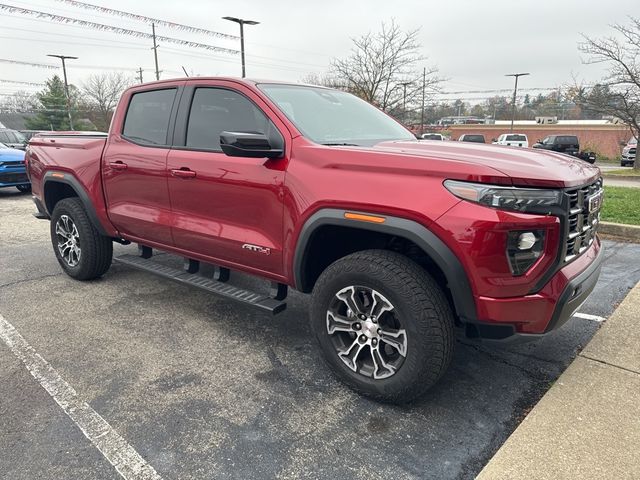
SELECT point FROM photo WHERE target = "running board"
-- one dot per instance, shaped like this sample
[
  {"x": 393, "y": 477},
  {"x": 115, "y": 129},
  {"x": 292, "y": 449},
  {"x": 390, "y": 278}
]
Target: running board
[{"x": 258, "y": 300}]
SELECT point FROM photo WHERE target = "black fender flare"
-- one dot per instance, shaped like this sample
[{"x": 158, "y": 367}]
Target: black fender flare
[
  {"x": 439, "y": 252},
  {"x": 68, "y": 179}
]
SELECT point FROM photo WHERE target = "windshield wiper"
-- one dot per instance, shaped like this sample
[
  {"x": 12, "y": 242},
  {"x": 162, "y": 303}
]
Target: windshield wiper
[{"x": 342, "y": 144}]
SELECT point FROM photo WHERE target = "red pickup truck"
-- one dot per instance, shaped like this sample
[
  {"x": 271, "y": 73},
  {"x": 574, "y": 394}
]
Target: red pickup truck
[{"x": 400, "y": 242}]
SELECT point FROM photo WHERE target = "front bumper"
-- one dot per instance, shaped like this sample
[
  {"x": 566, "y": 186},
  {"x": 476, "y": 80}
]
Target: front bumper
[
  {"x": 530, "y": 316},
  {"x": 13, "y": 177}
]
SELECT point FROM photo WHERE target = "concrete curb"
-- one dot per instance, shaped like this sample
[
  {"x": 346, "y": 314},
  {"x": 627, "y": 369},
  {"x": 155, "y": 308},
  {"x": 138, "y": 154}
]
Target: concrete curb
[
  {"x": 587, "y": 425},
  {"x": 629, "y": 232},
  {"x": 632, "y": 178}
]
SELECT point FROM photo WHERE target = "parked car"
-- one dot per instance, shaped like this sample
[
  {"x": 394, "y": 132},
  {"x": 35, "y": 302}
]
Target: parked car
[
  {"x": 30, "y": 133},
  {"x": 512, "y": 140},
  {"x": 13, "y": 138},
  {"x": 471, "y": 137},
  {"x": 433, "y": 136},
  {"x": 292, "y": 183},
  {"x": 567, "y": 144},
  {"x": 628, "y": 157},
  {"x": 12, "y": 169}
]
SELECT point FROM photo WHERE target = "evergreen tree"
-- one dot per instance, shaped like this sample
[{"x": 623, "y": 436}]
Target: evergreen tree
[{"x": 53, "y": 113}]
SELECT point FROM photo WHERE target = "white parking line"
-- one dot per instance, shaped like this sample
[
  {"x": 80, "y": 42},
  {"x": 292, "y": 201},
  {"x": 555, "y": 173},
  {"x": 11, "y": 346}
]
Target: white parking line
[
  {"x": 587, "y": 316},
  {"x": 129, "y": 464}
]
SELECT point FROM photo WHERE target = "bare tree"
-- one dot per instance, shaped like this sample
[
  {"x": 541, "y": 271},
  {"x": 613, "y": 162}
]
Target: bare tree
[
  {"x": 380, "y": 63},
  {"x": 618, "y": 94},
  {"x": 102, "y": 92},
  {"x": 19, "y": 102}
]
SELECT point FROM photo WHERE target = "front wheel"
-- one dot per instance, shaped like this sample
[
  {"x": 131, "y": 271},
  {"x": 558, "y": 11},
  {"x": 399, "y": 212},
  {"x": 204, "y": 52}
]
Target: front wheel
[
  {"x": 383, "y": 324},
  {"x": 26, "y": 188},
  {"x": 81, "y": 251}
]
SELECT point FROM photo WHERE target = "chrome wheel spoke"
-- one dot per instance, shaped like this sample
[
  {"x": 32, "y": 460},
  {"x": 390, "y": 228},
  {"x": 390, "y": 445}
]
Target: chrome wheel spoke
[
  {"x": 350, "y": 355},
  {"x": 381, "y": 368},
  {"x": 395, "y": 338},
  {"x": 338, "y": 323},
  {"x": 68, "y": 240},
  {"x": 379, "y": 305},
  {"x": 348, "y": 296}
]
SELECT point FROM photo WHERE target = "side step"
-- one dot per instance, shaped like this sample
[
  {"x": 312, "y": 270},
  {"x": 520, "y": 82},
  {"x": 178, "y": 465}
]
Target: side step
[{"x": 261, "y": 301}]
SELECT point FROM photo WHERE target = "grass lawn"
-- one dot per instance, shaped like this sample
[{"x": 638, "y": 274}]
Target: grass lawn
[
  {"x": 625, "y": 171},
  {"x": 621, "y": 205}
]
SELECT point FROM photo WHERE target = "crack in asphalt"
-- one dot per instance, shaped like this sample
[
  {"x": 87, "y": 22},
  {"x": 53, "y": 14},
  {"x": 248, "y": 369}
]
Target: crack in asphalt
[{"x": 28, "y": 280}]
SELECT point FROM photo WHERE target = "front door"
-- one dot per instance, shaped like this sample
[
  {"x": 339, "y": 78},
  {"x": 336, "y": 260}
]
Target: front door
[
  {"x": 134, "y": 167},
  {"x": 228, "y": 209}
]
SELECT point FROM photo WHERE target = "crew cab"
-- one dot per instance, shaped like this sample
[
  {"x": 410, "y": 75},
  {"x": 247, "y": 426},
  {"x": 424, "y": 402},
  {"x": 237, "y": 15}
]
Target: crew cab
[
  {"x": 399, "y": 242},
  {"x": 567, "y": 144}
]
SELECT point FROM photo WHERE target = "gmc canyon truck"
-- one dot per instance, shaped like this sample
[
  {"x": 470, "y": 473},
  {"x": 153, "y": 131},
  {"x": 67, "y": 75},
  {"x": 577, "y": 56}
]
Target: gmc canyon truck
[{"x": 400, "y": 242}]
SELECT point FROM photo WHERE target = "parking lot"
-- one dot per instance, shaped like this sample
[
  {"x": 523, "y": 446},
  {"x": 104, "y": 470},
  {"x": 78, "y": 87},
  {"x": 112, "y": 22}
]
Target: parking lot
[{"x": 205, "y": 388}]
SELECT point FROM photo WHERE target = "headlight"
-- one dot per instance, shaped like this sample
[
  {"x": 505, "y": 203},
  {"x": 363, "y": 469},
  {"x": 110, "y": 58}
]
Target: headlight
[{"x": 531, "y": 200}]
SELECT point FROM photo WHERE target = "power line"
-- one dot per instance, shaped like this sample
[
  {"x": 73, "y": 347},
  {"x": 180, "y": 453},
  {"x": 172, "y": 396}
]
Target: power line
[
  {"x": 148, "y": 20},
  {"x": 18, "y": 82},
  {"x": 30, "y": 64},
  {"x": 113, "y": 29}
]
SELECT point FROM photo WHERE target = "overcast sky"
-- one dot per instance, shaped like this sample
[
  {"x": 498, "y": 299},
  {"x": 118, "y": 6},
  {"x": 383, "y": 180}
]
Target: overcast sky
[{"x": 474, "y": 43}]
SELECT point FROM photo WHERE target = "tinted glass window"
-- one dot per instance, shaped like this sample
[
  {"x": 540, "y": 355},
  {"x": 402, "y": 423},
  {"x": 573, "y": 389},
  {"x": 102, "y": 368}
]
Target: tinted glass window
[
  {"x": 215, "y": 110},
  {"x": 473, "y": 138},
  {"x": 147, "y": 119},
  {"x": 566, "y": 139},
  {"x": 516, "y": 138},
  {"x": 4, "y": 137}
]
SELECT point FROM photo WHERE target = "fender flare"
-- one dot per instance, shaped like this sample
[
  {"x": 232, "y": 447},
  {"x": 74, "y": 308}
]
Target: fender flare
[
  {"x": 439, "y": 252},
  {"x": 68, "y": 179}
]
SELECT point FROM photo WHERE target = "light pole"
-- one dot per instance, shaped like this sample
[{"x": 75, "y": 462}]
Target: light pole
[
  {"x": 404, "y": 101},
  {"x": 66, "y": 84},
  {"x": 515, "y": 90},
  {"x": 242, "y": 22}
]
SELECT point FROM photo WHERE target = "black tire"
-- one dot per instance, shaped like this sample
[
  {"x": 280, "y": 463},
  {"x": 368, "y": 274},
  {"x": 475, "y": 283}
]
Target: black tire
[
  {"x": 419, "y": 304},
  {"x": 96, "y": 251},
  {"x": 26, "y": 188}
]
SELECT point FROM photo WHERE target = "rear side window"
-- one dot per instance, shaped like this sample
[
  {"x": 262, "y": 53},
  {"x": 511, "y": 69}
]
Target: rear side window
[
  {"x": 567, "y": 140},
  {"x": 215, "y": 110},
  {"x": 148, "y": 115},
  {"x": 516, "y": 138}
]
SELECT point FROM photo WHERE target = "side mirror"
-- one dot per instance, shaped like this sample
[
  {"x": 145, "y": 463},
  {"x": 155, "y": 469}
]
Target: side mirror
[{"x": 249, "y": 144}]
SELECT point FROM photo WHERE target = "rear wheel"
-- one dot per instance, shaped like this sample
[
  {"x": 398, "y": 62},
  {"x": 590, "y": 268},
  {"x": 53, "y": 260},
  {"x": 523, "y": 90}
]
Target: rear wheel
[
  {"x": 383, "y": 324},
  {"x": 81, "y": 251}
]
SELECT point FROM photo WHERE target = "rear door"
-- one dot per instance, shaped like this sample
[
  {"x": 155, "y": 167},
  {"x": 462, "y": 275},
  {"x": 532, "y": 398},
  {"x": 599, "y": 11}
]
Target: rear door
[
  {"x": 134, "y": 164},
  {"x": 226, "y": 209}
]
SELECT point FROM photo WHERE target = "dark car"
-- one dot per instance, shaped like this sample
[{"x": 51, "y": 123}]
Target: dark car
[
  {"x": 567, "y": 144},
  {"x": 471, "y": 138},
  {"x": 13, "y": 138}
]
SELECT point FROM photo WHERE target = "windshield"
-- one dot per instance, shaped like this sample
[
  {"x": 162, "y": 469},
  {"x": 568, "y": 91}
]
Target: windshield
[{"x": 332, "y": 117}]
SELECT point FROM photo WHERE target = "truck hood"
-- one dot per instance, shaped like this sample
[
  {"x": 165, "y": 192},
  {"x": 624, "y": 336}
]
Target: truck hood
[{"x": 525, "y": 166}]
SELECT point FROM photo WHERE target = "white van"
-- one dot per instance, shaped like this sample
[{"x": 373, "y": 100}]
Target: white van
[{"x": 512, "y": 140}]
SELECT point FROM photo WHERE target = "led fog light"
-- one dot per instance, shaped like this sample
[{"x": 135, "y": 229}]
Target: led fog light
[{"x": 524, "y": 249}]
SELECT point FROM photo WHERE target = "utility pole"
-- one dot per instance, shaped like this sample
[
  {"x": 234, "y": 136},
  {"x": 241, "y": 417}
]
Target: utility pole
[
  {"x": 155, "y": 50},
  {"x": 66, "y": 83},
  {"x": 242, "y": 22},
  {"x": 515, "y": 90},
  {"x": 140, "y": 75},
  {"x": 404, "y": 101},
  {"x": 424, "y": 84}
]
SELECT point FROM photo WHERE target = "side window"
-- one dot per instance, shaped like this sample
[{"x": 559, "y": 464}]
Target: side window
[
  {"x": 148, "y": 115},
  {"x": 215, "y": 110},
  {"x": 4, "y": 137}
]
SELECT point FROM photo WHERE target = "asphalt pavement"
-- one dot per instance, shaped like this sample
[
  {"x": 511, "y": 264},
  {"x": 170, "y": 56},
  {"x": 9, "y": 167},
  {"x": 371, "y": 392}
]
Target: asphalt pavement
[{"x": 206, "y": 388}]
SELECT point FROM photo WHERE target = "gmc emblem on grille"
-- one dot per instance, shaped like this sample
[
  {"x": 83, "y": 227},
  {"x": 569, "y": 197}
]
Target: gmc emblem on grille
[{"x": 595, "y": 202}]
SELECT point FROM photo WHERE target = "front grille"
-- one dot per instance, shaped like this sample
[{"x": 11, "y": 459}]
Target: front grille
[
  {"x": 582, "y": 224},
  {"x": 14, "y": 178}
]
